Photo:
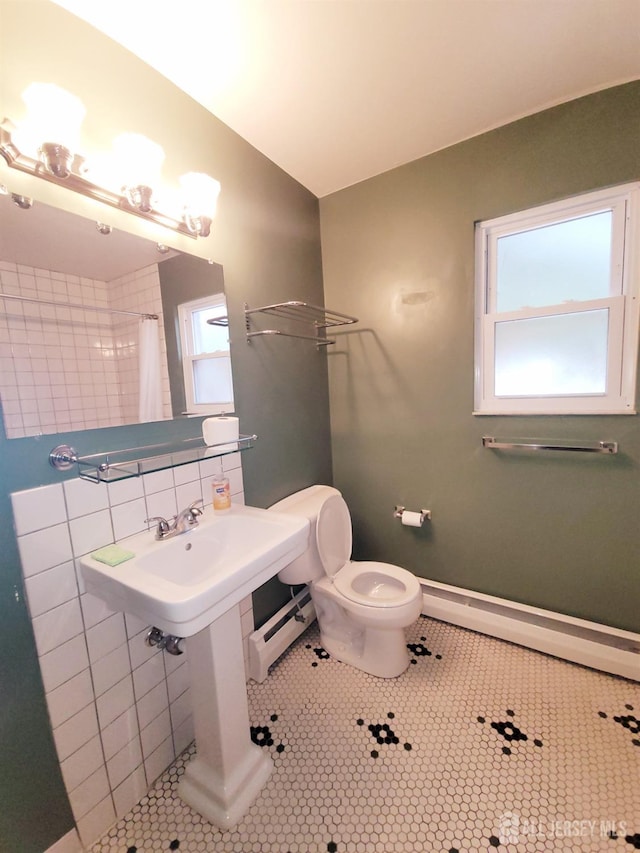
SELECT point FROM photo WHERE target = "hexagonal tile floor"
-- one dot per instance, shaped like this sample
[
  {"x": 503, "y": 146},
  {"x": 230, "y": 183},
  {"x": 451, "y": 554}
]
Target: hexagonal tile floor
[{"x": 479, "y": 745}]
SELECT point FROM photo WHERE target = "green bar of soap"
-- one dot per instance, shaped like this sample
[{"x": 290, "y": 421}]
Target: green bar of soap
[{"x": 112, "y": 555}]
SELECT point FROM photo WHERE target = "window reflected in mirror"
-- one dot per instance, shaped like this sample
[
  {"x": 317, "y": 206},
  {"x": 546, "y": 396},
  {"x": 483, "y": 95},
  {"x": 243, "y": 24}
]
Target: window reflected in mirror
[{"x": 206, "y": 360}]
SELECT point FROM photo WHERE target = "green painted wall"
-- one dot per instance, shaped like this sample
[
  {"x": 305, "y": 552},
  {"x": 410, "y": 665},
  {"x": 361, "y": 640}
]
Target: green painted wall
[
  {"x": 559, "y": 532},
  {"x": 266, "y": 236}
]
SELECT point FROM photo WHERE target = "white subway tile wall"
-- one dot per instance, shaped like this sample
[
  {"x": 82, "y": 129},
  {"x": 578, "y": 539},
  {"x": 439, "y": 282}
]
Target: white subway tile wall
[
  {"x": 65, "y": 369},
  {"x": 120, "y": 710}
]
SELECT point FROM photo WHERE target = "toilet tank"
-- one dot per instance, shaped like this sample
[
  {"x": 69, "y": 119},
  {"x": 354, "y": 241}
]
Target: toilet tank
[{"x": 306, "y": 503}]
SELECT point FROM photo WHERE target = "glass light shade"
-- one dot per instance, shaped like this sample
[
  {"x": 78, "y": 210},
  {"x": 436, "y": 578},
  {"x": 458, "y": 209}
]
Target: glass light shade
[
  {"x": 54, "y": 115},
  {"x": 139, "y": 160},
  {"x": 200, "y": 194}
]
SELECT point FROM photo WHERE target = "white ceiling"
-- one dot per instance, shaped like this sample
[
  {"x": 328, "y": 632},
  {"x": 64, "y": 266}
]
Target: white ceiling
[{"x": 335, "y": 91}]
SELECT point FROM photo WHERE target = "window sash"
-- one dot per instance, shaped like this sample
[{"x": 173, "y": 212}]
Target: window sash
[
  {"x": 185, "y": 318},
  {"x": 213, "y": 407},
  {"x": 623, "y": 305},
  {"x": 579, "y": 402},
  {"x": 529, "y": 222}
]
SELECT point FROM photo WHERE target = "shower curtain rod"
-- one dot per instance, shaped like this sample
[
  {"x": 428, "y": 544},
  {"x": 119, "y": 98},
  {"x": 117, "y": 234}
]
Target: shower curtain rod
[{"x": 82, "y": 307}]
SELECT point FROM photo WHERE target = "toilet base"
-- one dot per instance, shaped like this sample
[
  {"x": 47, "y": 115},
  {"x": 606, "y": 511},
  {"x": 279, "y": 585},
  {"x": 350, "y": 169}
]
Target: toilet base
[{"x": 383, "y": 651}]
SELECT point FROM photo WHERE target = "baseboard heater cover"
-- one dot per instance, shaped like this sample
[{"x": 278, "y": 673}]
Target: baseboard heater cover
[
  {"x": 591, "y": 644},
  {"x": 268, "y": 642}
]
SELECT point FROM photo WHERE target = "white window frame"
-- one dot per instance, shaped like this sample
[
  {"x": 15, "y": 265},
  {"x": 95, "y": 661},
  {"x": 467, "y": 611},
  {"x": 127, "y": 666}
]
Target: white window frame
[
  {"x": 623, "y": 305},
  {"x": 188, "y": 356}
]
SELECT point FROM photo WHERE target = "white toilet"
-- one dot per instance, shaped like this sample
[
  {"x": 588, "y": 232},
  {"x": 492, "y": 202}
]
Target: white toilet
[{"x": 362, "y": 607}]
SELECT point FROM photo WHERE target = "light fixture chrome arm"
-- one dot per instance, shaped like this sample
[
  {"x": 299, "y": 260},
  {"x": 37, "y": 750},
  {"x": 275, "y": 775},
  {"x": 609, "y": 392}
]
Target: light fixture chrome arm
[
  {"x": 77, "y": 182},
  {"x": 59, "y": 165}
]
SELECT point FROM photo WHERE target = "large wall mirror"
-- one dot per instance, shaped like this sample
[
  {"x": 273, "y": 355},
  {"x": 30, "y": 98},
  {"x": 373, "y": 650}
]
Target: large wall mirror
[{"x": 79, "y": 345}]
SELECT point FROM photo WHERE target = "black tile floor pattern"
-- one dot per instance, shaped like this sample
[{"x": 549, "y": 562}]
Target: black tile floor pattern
[{"x": 480, "y": 745}]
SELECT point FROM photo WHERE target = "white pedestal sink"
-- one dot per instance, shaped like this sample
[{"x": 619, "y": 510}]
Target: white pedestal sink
[
  {"x": 229, "y": 770},
  {"x": 191, "y": 586}
]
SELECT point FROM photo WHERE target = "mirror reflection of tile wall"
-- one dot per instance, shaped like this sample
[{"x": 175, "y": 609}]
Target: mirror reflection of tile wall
[{"x": 67, "y": 369}]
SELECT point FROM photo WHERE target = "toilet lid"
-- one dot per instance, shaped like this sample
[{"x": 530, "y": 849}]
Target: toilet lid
[
  {"x": 377, "y": 584},
  {"x": 333, "y": 534}
]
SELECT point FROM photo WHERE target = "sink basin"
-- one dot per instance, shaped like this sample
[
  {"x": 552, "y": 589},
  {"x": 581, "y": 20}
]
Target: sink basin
[{"x": 182, "y": 584}]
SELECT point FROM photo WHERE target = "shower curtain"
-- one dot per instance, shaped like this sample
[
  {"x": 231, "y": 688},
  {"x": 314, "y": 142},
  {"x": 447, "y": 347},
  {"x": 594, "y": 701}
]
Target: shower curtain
[{"x": 150, "y": 398}]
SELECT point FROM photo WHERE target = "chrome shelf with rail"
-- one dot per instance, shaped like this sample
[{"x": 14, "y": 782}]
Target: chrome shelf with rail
[
  {"x": 135, "y": 461},
  {"x": 317, "y": 317}
]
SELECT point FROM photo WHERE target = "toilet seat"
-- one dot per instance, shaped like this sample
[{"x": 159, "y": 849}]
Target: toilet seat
[
  {"x": 377, "y": 584},
  {"x": 333, "y": 534}
]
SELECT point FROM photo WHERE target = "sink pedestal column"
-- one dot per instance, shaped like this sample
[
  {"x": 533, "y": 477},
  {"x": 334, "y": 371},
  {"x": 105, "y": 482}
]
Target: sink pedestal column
[{"x": 229, "y": 770}]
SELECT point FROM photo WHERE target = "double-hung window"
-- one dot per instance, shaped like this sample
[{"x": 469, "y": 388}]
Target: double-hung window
[
  {"x": 557, "y": 307},
  {"x": 206, "y": 359}
]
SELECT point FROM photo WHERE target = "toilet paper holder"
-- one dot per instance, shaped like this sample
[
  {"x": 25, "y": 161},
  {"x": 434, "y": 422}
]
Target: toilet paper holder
[{"x": 425, "y": 514}]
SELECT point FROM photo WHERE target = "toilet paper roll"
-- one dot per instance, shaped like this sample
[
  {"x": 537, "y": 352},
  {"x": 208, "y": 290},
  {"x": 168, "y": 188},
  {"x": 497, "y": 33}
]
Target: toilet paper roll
[
  {"x": 217, "y": 431},
  {"x": 412, "y": 519}
]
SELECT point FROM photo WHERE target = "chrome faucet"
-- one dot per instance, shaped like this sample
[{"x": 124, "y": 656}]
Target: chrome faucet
[{"x": 180, "y": 523}]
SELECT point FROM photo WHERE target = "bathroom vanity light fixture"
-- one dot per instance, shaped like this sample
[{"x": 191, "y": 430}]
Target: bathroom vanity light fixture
[{"x": 46, "y": 145}]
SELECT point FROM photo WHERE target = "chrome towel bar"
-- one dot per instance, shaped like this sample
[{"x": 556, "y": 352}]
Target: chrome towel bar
[{"x": 523, "y": 444}]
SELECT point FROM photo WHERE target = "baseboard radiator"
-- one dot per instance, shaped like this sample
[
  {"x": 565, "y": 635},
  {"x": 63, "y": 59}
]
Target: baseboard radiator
[
  {"x": 577, "y": 640},
  {"x": 275, "y": 636}
]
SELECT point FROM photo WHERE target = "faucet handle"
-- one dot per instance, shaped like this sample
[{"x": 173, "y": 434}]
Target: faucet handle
[
  {"x": 194, "y": 507},
  {"x": 163, "y": 526},
  {"x": 188, "y": 517}
]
